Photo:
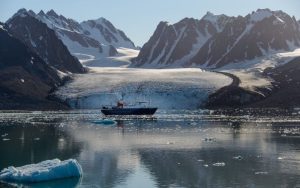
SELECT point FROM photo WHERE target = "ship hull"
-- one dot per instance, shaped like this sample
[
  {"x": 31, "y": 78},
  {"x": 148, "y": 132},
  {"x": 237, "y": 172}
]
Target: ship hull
[{"x": 129, "y": 111}]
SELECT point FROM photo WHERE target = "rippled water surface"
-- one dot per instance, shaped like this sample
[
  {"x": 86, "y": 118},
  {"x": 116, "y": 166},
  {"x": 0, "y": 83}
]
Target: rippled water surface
[{"x": 171, "y": 149}]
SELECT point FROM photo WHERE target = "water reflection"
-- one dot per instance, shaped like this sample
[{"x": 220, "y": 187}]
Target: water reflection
[
  {"x": 195, "y": 168},
  {"x": 162, "y": 152},
  {"x": 68, "y": 182},
  {"x": 32, "y": 143}
]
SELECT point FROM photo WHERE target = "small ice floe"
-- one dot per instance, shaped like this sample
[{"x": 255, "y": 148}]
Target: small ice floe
[
  {"x": 210, "y": 139},
  {"x": 261, "y": 173},
  {"x": 206, "y": 165},
  {"x": 36, "y": 139},
  {"x": 104, "y": 122},
  {"x": 43, "y": 171},
  {"x": 200, "y": 160},
  {"x": 4, "y": 135},
  {"x": 219, "y": 164},
  {"x": 5, "y": 139},
  {"x": 170, "y": 143},
  {"x": 238, "y": 157},
  {"x": 280, "y": 158},
  {"x": 22, "y": 80}
]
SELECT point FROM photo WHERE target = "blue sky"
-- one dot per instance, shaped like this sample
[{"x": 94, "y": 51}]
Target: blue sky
[{"x": 139, "y": 18}]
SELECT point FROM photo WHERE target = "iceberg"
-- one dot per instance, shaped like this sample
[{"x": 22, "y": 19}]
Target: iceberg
[
  {"x": 43, "y": 171},
  {"x": 105, "y": 122}
]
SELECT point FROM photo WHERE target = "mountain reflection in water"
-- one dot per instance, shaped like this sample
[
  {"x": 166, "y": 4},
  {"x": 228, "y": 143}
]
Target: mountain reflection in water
[{"x": 174, "y": 149}]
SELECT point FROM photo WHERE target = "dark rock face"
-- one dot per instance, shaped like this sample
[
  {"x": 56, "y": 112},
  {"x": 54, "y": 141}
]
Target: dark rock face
[
  {"x": 286, "y": 83},
  {"x": 25, "y": 79},
  {"x": 285, "y": 92},
  {"x": 233, "y": 95},
  {"x": 215, "y": 41},
  {"x": 112, "y": 51},
  {"x": 43, "y": 41}
]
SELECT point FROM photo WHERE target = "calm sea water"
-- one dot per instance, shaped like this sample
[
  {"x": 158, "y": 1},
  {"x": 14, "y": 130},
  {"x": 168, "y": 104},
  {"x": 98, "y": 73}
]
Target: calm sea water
[{"x": 172, "y": 149}]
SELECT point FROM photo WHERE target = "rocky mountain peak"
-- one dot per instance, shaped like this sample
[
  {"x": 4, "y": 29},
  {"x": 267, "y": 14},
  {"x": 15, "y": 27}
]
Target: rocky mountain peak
[
  {"x": 209, "y": 16},
  {"x": 260, "y": 14},
  {"x": 41, "y": 13},
  {"x": 104, "y": 31},
  {"x": 218, "y": 21},
  {"x": 92, "y": 38},
  {"x": 41, "y": 39},
  {"x": 52, "y": 13},
  {"x": 23, "y": 13}
]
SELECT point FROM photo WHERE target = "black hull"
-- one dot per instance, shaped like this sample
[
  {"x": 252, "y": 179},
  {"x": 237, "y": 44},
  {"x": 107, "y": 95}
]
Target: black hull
[{"x": 129, "y": 111}]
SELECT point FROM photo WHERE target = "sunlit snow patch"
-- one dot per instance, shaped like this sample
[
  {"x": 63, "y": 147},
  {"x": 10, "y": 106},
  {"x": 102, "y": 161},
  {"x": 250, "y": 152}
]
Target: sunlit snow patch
[
  {"x": 122, "y": 59},
  {"x": 43, "y": 171}
]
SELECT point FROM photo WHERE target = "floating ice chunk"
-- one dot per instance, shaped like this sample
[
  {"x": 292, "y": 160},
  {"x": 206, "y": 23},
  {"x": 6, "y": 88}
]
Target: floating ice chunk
[
  {"x": 43, "y": 171},
  {"x": 261, "y": 173},
  {"x": 238, "y": 157},
  {"x": 209, "y": 139},
  {"x": 105, "y": 122},
  {"x": 219, "y": 164},
  {"x": 170, "y": 143}
]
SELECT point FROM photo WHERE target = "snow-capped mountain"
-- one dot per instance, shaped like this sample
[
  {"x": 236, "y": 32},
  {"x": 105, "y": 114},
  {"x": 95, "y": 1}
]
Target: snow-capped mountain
[
  {"x": 215, "y": 41},
  {"x": 89, "y": 40},
  {"x": 25, "y": 79},
  {"x": 42, "y": 40},
  {"x": 92, "y": 39},
  {"x": 104, "y": 31},
  {"x": 246, "y": 38},
  {"x": 175, "y": 45},
  {"x": 70, "y": 32}
]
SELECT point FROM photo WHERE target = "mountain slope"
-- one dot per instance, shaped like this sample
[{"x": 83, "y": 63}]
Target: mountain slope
[
  {"x": 25, "y": 79},
  {"x": 286, "y": 78},
  {"x": 92, "y": 39},
  {"x": 175, "y": 45},
  {"x": 43, "y": 41}
]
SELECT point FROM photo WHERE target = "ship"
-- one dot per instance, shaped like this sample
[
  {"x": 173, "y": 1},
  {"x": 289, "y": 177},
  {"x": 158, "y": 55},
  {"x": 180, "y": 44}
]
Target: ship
[{"x": 120, "y": 109}]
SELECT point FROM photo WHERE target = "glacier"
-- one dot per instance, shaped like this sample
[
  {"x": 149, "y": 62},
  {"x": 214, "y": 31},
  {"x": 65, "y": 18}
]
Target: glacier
[
  {"x": 186, "y": 88},
  {"x": 43, "y": 171}
]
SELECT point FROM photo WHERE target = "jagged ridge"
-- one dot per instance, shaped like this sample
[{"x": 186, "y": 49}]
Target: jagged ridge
[{"x": 218, "y": 40}]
